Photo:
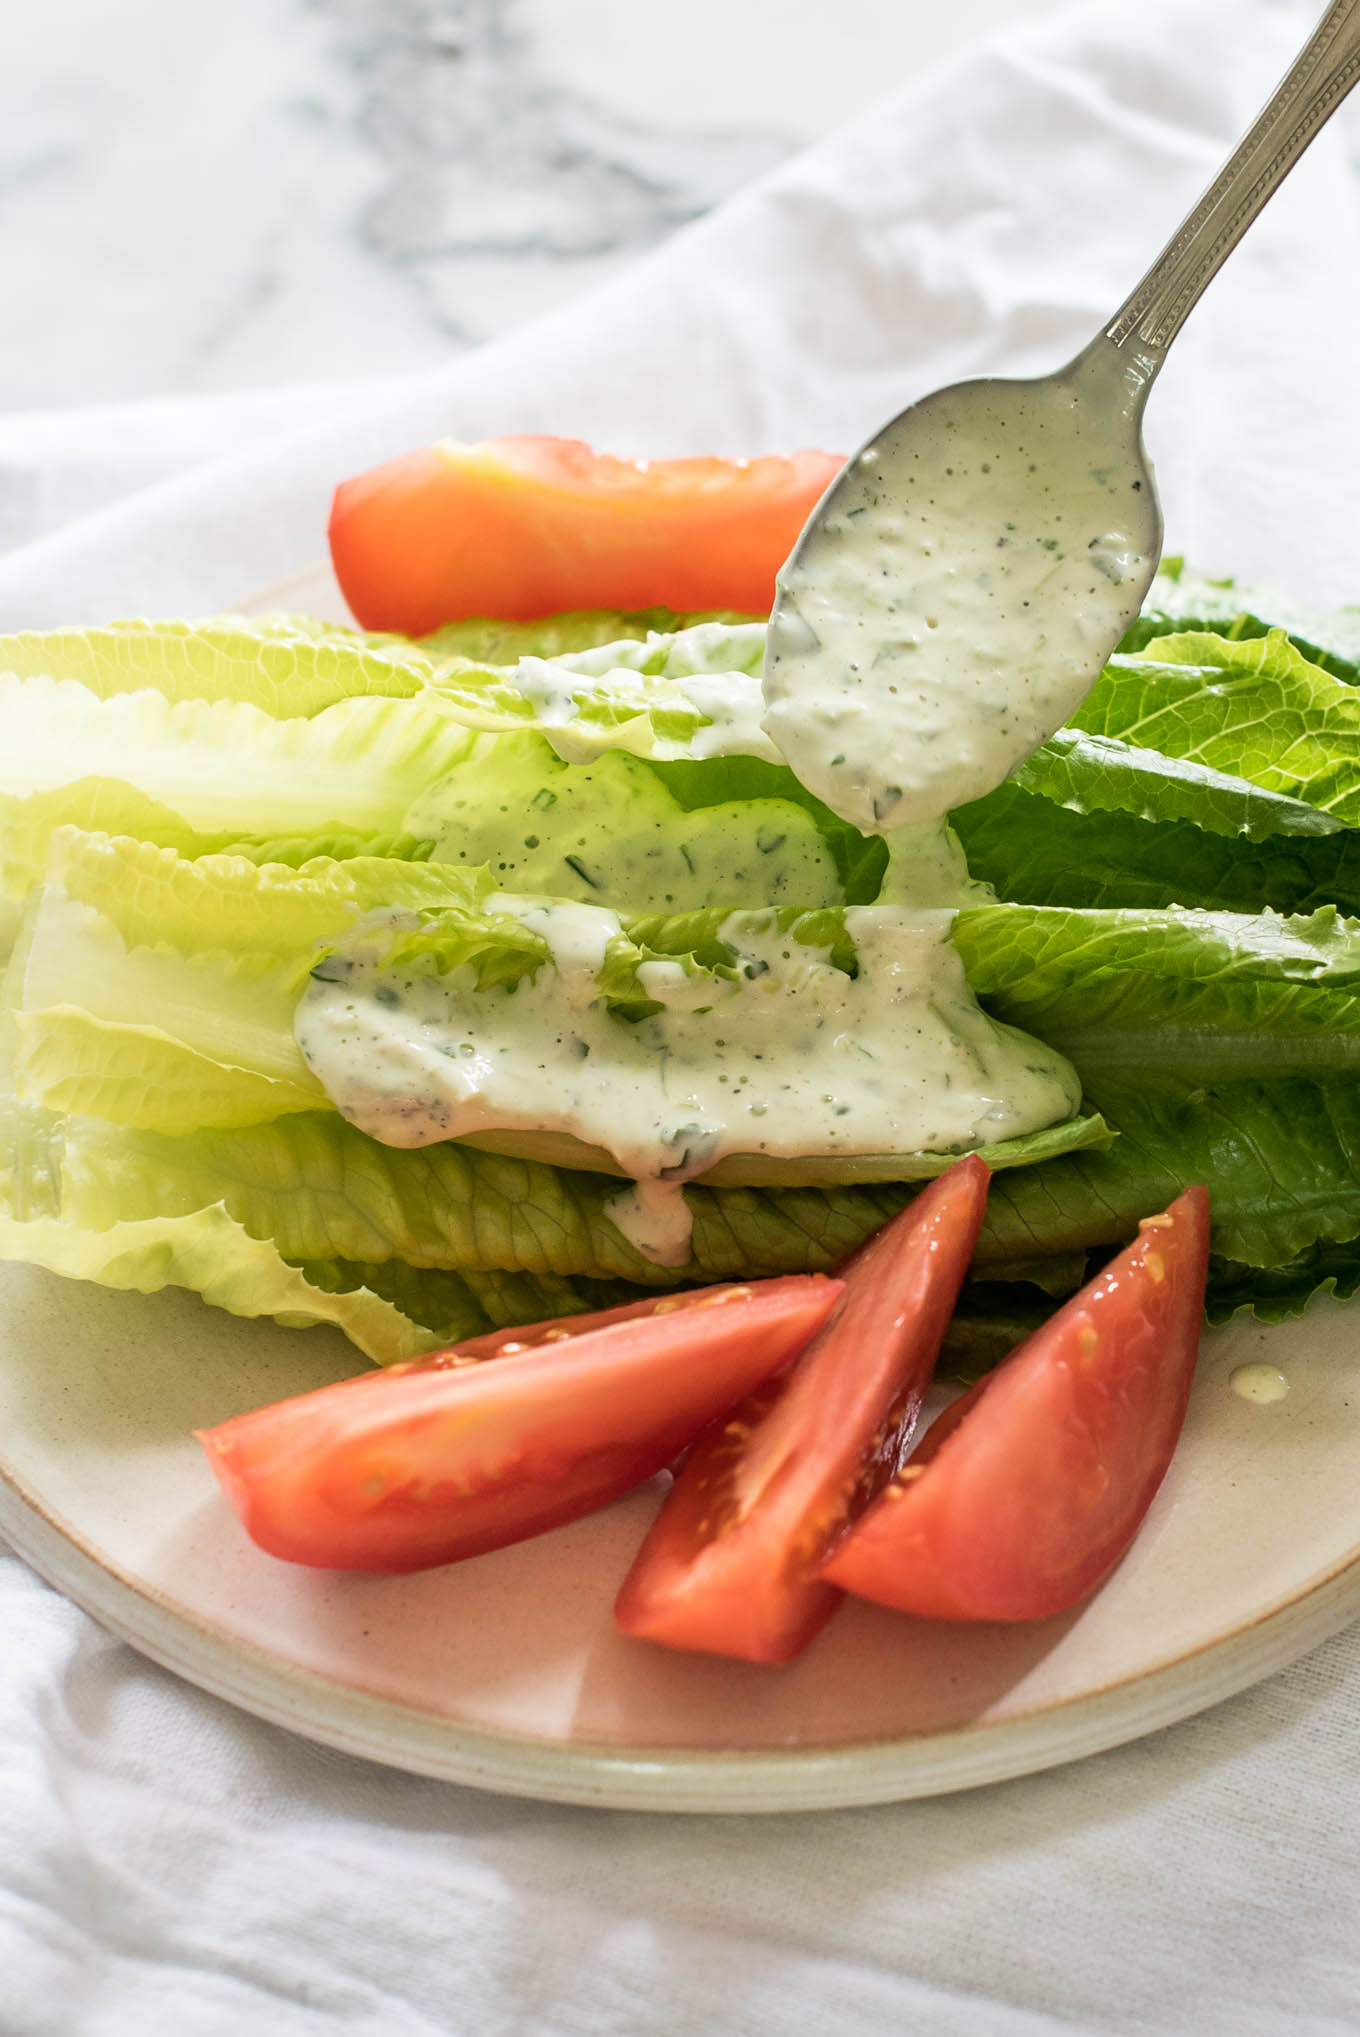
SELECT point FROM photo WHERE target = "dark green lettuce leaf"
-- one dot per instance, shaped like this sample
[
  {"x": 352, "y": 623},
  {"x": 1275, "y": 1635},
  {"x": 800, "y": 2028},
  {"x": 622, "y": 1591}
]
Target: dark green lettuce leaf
[
  {"x": 1222, "y": 1048},
  {"x": 1206, "y": 773},
  {"x": 1035, "y": 852},
  {"x": 1180, "y": 599},
  {"x": 1102, "y": 774},
  {"x": 457, "y": 1305},
  {"x": 1274, "y": 1293}
]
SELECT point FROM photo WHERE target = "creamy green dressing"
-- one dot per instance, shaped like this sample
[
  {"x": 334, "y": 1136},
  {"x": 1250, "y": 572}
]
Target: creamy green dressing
[
  {"x": 792, "y": 1058},
  {"x": 1259, "y": 1383},
  {"x": 957, "y": 597}
]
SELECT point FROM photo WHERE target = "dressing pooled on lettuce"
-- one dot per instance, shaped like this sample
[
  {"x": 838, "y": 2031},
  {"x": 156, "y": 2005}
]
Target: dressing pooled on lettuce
[{"x": 827, "y": 1036}]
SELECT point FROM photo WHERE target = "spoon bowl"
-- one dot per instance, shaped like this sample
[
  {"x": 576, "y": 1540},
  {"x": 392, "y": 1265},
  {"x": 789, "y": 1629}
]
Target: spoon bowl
[{"x": 965, "y": 578}]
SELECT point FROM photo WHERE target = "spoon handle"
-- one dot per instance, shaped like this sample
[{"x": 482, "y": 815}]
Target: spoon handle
[{"x": 1306, "y": 97}]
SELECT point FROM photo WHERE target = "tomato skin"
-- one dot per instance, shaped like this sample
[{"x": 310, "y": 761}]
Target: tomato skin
[
  {"x": 417, "y": 1466},
  {"x": 530, "y": 526},
  {"x": 1030, "y": 1494},
  {"x": 561, "y": 1329},
  {"x": 732, "y": 1564}
]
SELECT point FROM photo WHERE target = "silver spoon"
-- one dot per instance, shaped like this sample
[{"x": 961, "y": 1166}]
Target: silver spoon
[{"x": 960, "y": 586}]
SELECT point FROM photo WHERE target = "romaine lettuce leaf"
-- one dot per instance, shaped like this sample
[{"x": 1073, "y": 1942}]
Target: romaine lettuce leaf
[
  {"x": 484, "y": 641},
  {"x": 696, "y": 783},
  {"x": 1180, "y": 599},
  {"x": 1207, "y": 773},
  {"x": 207, "y": 1252},
  {"x": 160, "y": 993},
  {"x": 104, "y": 806},
  {"x": 148, "y": 1035},
  {"x": 154, "y": 896},
  {"x": 227, "y": 766},
  {"x": 1209, "y": 993},
  {"x": 277, "y": 665},
  {"x": 319, "y": 1191},
  {"x": 1102, "y": 774},
  {"x": 1222, "y": 1048},
  {"x": 391, "y": 1311},
  {"x": 1274, "y": 1293},
  {"x": 1256, "y": 709},
  {"x": 1038, "y": 853},
  {"x": 611, "y": 833},
  {"x": 452, "y": 1306},
  {"x": 694, "y": 694},
  {"x": 1278, "y": 1158}
]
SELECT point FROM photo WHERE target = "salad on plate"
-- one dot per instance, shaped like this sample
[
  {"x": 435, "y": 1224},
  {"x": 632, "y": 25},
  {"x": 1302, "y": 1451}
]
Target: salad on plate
[{"x": 435, "y": 978}]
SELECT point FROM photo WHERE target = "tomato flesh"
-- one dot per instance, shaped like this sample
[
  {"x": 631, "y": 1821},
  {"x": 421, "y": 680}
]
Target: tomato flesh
[
  {"x": 427, "y": 1463},
  {"x": 561, "y": 1329},
  {"x": 732, "y": 1564},
  {"x": 1034, "y": 1487},
  {"x": 530, "y": 526}
]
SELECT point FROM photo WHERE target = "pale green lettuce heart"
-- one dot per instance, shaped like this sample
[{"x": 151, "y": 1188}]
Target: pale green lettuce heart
[
  {"x": 227, "y": 765},
  {"x": 116, "y": 1226},
  {"x": 483, "y": 640},
  {"x": 232, "y": 903},
  {"x": 280, "y": 665}
]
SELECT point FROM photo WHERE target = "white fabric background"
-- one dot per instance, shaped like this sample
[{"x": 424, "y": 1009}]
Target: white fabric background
[{"x": 169, "y": 1866}]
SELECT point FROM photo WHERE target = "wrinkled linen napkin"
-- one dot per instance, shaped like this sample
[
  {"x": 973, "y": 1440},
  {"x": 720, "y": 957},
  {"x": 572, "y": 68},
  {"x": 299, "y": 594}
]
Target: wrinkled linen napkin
[{"x": 171, "y": 1866}]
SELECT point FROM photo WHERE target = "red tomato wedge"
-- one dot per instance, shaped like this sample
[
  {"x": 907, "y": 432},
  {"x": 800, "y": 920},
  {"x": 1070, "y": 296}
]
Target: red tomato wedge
[
  {"x": 525, "y": 527},
  {"x": 731, "y": 1565},
  {"x": 1026, "y": 1493},
  {"x": 399, "y": 1472}
]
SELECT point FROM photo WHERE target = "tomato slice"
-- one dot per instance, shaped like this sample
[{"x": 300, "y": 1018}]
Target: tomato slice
[
  {"x": 398, "y": 1471},
  {"x": 732, "y": 1563},
  {"x": 524, "y": 527},
  {"x": 1024, "y": 1495}
]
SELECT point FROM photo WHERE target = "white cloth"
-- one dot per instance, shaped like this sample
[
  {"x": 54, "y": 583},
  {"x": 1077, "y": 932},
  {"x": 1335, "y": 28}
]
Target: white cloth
[{"x": 172, "y": 1867}]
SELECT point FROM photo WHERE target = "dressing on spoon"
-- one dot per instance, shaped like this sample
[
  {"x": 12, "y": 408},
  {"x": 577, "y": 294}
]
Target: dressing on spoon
[
  {"x": 964, "y": 579},
  {"x": 958, "y": 594}
]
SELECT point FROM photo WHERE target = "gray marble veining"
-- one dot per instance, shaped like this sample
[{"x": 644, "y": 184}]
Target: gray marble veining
[
  {"x": 489, "y": 161},
  {"x": 202, "y": 197}
]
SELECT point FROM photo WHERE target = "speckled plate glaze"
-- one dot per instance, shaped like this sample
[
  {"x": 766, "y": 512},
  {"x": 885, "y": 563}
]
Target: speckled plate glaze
[{"x": 506, "y": 1672}]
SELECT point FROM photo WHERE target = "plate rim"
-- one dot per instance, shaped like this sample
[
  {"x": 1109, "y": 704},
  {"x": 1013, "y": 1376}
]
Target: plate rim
[{"x": 852, "y": 1774}]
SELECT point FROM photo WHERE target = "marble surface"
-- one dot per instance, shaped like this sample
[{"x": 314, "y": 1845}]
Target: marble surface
[{"x": 203, "y": 197}]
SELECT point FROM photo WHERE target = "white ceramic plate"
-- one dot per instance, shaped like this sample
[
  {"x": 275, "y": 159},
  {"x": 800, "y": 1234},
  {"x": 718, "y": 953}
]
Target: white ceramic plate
[{"x": 507, "y": 1672}]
